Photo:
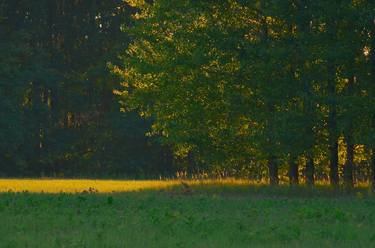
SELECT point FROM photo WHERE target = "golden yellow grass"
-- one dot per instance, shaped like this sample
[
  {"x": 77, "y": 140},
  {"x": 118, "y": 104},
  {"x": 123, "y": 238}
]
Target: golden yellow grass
[
  {"x": 102, "y": 186},
  {"x": 113, "y": 186}
]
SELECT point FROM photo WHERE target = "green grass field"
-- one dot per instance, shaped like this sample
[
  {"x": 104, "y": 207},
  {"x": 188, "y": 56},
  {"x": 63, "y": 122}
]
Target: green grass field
[{"x": 216, "y": 215}]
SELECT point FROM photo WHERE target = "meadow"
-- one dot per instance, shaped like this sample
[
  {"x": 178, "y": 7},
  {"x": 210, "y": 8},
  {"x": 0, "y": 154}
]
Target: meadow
[{"x": 226, "y": 213}]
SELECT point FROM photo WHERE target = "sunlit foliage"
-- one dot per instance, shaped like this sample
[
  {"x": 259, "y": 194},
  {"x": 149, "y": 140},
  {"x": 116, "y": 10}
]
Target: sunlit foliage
[{"x": 253, "y": 83}]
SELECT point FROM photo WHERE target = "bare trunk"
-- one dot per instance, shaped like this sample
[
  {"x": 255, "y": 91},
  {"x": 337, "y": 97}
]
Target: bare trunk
[
  {"x": 373, "y": 116},
  {"x": 349, "y": 165},
  {"x": 293, "y": 171},
  {"x": 273, "y": 171},
  {"x": 348, "y": 169},
  {"x": 334, "y": 162},
  {"x": 272, "y": 161},
  {"x": 310, "y": 171},
  {"x": 332, "y": 127},
  {"x": 373, "y": 169},
  {"x": 38, "y": 135}
]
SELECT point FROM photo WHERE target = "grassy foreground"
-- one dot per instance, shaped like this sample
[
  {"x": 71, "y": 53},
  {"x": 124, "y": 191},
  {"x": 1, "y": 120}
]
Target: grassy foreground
[{"x": 216, "y": 214}]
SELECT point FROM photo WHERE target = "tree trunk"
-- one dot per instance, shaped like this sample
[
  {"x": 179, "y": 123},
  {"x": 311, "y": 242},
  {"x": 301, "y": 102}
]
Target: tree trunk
[
  {"x": 332, "y": 108},
  {"x": 332, "y": 128},
  {"x": 348, "y": 168},
  {"x": 38, "y": 132},
  {"x": 192, "y": 165},
  {"x": 273, "y": 171},
  {"x": 334, "y": 161},
  {"x": 310, "y": 170},
  {"x": 349, "y": 165},
  {"x": 167, "y": 159},
  {"x": 293, "y": 171},
  {"x": 372, "y": 59},
  {"x": 373, "y": 169}
]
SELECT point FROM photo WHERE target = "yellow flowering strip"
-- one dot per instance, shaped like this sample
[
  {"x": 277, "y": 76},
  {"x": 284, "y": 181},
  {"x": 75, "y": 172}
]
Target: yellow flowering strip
[{"x": 101, "y": 186}]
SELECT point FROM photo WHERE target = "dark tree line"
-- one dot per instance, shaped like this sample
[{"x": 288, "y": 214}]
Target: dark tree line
[{"x": 58, "y": 113}]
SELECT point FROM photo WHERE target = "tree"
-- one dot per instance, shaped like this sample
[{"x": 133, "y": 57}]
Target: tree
[
  {"x": 261, "y": 79},
  {"x": 13, "y": 69},
  {"x": 59, "y": 89}
]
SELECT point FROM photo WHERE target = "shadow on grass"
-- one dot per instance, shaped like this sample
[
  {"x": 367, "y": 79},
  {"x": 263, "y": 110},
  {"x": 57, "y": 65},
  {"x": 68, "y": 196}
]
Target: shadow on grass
[{"x": 267, "y": 191}]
